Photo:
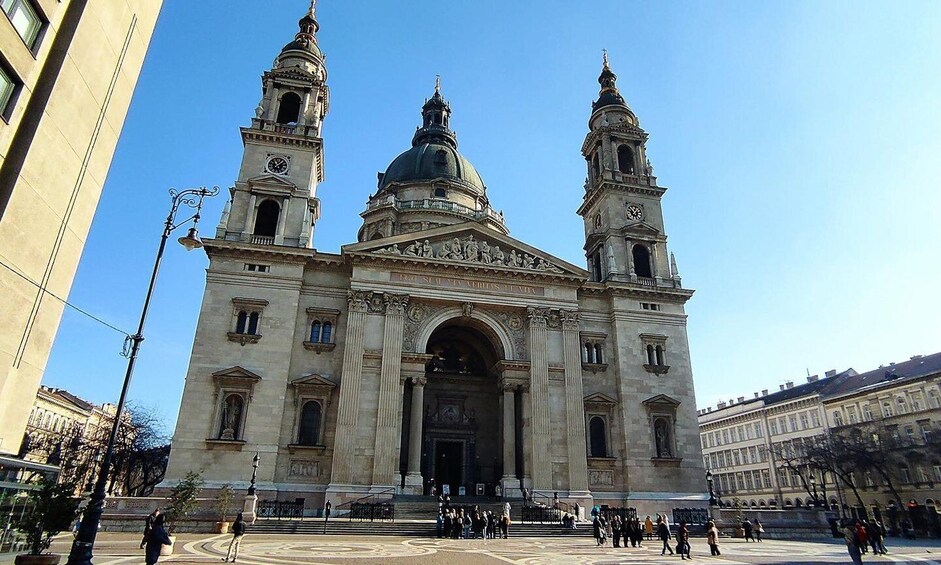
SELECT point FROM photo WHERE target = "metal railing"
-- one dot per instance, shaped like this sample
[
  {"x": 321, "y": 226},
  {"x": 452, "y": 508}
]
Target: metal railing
[
  {"x": 537, "y": 513},
  {"x": 371, "y": 507},
  {"x": 263, "y": 239},
  {"x": 693, "y": 516},
  {"x": 281, "y": 509}
]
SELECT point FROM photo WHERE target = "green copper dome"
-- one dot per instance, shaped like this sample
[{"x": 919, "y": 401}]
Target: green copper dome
[{"x": 428, "y": 161}]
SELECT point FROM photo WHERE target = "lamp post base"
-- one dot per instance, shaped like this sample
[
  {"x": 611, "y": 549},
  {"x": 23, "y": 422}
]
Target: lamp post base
[{"x": 248, "y": 509}]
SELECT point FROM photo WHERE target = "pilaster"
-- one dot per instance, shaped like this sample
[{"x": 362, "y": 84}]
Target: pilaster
[
  {"x": 539, "y": 397},
  {"x": 390, "y": 391},
  {"x": 574, "y": 405},
  {"x": 350, "y": 384}
]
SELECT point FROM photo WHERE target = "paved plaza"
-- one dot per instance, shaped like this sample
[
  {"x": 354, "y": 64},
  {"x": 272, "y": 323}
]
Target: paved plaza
[{"x": 115, "y": 549}]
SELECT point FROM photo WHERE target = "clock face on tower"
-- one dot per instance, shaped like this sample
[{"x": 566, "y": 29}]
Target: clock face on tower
[
  {"x": 635, "y": 212},
  {"x": 277, "y": 165}
]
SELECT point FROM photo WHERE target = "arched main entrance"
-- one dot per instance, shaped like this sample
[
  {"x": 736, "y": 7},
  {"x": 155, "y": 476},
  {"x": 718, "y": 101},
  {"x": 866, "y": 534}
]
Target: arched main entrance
[{"x": 461, "y": 417}]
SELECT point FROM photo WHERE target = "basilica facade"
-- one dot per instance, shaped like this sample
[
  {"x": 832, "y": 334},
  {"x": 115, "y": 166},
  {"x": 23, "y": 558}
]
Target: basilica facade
[{"x": 437, "y": 350}]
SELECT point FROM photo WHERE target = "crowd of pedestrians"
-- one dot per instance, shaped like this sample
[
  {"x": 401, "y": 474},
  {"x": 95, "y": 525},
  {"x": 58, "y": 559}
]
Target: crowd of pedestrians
[
  {"x": 860, "y": 534},
  {"x": 467, "y": 523}
]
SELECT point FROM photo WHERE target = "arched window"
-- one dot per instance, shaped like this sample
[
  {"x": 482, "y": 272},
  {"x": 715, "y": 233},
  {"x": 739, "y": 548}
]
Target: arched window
[
  {"x": 651, "y": 359},
  {"x": 441, "y": 193},
  {"x": 327, "y": 331},
  {"x": 934, "y": 399},
  {"x": 886, "y": 409},
  {"x": 230, "y": 424},
  {"x": 587, "y": 353},
  {"x": 308, "y": 432},
  {"x": 762, "y": 504},
  {"x": 253, "y": 323},
  {"x": 315, "y": 332},
  {"x": 642, "y": 261},
  {"x": 837, "y": 418},
  {"x": 597, "y": 437},
  {"x": 266, "y": 220},
  {"x": 290, "y": 108},
  {"x": 625, "y": 159},
  {"x": 596, "y": 165},
  {"x": 798, "y": 503},
  {"x": 241, "y": 322},
  {"x": 659, "y": 355},
  {"x": 598, "y": 357}
]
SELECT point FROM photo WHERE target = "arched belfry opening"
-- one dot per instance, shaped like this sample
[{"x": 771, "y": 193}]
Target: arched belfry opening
[
  {"x": 641, "y": 256},
  {"x": 289, "y": 110},
  {"x": 266, "y": 219},
  {"x": 461, "y": 439}
]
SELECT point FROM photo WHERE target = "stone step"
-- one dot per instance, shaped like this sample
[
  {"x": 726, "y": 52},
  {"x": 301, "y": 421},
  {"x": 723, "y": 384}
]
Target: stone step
[{"x": 404, "y": 528}]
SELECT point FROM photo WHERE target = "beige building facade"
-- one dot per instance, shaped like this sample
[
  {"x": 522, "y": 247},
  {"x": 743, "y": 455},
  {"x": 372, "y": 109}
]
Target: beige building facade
[
  {"x": 755, "y": 448},
  {"x": 437, "y": 351},
  {"x": 67, "y": 73}
]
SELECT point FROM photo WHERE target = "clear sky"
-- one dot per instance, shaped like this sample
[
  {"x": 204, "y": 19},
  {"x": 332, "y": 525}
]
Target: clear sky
[{"x": 800, "y": 142}]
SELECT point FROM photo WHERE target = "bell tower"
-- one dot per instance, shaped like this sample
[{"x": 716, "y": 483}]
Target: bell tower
[
  {"x": 274, "y": 201},
  {"x": 624, "y": 235}
]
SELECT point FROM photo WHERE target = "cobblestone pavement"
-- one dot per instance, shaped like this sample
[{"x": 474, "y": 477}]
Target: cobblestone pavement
[{"x": 122, "y": 549}]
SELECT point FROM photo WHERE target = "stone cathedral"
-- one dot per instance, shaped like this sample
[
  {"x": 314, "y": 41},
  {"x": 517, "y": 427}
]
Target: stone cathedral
[{"x": 437, "y": 350}]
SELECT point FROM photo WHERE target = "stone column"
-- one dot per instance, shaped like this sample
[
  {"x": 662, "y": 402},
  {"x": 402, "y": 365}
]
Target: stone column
[
  {"x": 282, "y": 221},
  {"x": 539, "y": 397},
  {"x": 414, "y": 478},
  {"x": 509, "y": 438},
  {"x": 249, "y": 216},
  {"x": 350, "y": 383},
  {"x": 574, "y": 406},
  {"x": 390, "y": 392}
]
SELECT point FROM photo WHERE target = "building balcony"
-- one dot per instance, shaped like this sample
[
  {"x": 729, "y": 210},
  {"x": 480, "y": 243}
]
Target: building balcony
[{"x": 487, "y": 213}]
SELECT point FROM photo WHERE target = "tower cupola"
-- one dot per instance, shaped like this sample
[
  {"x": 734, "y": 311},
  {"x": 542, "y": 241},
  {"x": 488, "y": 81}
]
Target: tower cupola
[
  {"x": 610, "y": 104},
  {"x": 436, "y": 116},
  {"x": 303, "y": 51}
]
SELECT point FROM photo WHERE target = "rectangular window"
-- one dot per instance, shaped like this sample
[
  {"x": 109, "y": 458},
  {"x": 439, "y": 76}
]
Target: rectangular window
[
  {"x": 725, "y": 436},
  {"x": 937, "y": 473},
  {"x": 925, "y": 431},
  {"x": 867, "y": 413},
  {"x": 804, "y": 424},
  {"x": 24, "y": 19},
  {"x": 815, "y": 418},
  {"x": 916, "y": 402},
  {"x": 650, "y": 306},
  {"x": 255, "y": 268},
  {"x": 782, "y": 423},
  {"x": 772, "y": 427},
  {"x": 851, "y": 415},
  {"x": 758, "y": 432},
  {"x": 910, "y": 433},
  {"x": 766, "y": 476},
  {"x": 793, "y": 421},
  {"x": 7, "y": 90},
  {"x": 906, "y": 476}
]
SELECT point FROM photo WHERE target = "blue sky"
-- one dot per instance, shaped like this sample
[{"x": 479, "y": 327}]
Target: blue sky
[{"x": 799, "y": 141}]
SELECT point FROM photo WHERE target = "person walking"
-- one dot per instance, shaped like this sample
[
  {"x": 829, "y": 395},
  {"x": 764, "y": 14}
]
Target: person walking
[
  {"x": 862, "y": 538},
  {"x": 505, "y": 525},
  {"x": 852, "y": 544},
  {"x": 155, "y": 539},
  {"x": 596, "y": 530},
  {"x": 879, "y": 530},
  {"x": 466, "y": 522},
  {"x": 682, "y": 541},
  {"x": 712, "y": 538},
  {"x": 238, "y": 530},
  {"x": 148, "y": 526},
  {"x": 648, "y": 527},
  {"x": 759, "y": 529},
  {"x": 616, "y": 531},
  {"x": 747, "y": 527},
  {"x": 663, "y": 532}
]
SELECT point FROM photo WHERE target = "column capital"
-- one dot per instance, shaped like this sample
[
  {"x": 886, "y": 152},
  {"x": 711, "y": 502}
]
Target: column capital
[
  {"x": 419, "y": 381},
  {"x": 395, "y": 303},
  {"x": 569, "y": 319},
  {"x": 538, "y": 317},
  {"x": 358, "y": 300}
]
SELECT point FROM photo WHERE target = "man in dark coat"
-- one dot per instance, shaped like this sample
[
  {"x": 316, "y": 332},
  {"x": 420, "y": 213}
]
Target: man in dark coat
[
  {"x": 148, "y": 525},
  {"x": 238, "y": 530},
  {"x": 746, "y": 525},
  {"x": 663, "y": 532},
  {"x": 158, "y": 537}
]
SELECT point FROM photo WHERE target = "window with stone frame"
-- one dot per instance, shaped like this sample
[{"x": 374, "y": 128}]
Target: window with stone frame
[
  {"x": 593, "y": 351},
  {"x": 661, "y": 417},
  {"x": 234, "y": 389},
  {"x": 312, "y": 395},
  {"x": 934, "y": 398},
  {"x": 654, "y": 349},
  {"x": 599, "y": 410},
  {"x": 246, "y": 320},
  {"x": 321, "y": 329}
]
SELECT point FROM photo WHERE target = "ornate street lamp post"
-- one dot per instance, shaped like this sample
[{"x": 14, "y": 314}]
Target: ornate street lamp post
[
  {"x": 251, "y": 486},
  {"x": 813, "y": 485},
  {"x": 84, "y": 543},
  {"x": 712, "y": 493}
]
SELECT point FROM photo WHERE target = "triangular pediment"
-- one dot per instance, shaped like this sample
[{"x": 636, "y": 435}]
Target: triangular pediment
[
  {"x": 661, "y": 400},
  {"x": 642, "y": 228},
  {"x": 599, "y": 398},
  {"x": 237, "y": 372},
  {"x": 467, "y": 244},
  {"x": 271, "y": 181},
  {"x": 313, "y": 380}
]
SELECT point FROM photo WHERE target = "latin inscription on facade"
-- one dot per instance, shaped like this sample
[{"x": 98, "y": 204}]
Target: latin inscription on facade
[{"x": 465, "y": 284}]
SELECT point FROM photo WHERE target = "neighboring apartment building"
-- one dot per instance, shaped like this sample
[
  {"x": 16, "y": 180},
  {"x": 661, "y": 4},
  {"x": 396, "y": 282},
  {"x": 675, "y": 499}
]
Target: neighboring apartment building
[
  {"x": 754, "y": 447},
  {"x": 61, "y": 428},
  {"x": 67, "y": 73}
]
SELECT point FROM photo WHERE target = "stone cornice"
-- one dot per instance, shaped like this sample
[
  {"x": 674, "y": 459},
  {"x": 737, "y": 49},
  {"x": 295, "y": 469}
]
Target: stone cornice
[
  {"x": 627, "y": 290},
  {"x": 269, "y": 136},
  {"x": 593, "y": 194},
  {"x": 244, "y": 250},
  {"x": 624, "y": 128}
]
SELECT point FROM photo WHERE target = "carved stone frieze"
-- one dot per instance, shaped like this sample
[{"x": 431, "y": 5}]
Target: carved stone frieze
[
  {"x": 569, "y": 319},
  {"x": 538, "y": 317},
  {"x": 513, "y": 322},
  {"x": 358, "y": 300},
  {"x": 471, "y": 250},
  {"x": 415, "y": 314}
]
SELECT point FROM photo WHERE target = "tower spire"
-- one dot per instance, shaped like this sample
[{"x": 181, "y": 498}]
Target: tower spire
[
  {"x": 604, "y": 57},
  {"x": 437, "y": 84}
]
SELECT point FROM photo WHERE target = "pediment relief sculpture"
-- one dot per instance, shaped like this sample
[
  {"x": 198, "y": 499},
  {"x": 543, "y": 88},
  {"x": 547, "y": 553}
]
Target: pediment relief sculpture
[{"x": 471, "y": 250}]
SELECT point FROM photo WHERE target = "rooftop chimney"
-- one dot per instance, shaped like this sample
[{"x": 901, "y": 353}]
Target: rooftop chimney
[
  {"x": 789, "y": 384},
  {"x": 764, "y": 392},
  {"x": 813, "y": 379},
  {"x": 781, "y": 387},
  {"x": 741, "y": 399},
  {"x": 721, "y": 405},
  {"x": 916, "y": 357},
  {"x": 756, "y": 395},
  {"x": 709, "y": 409}
]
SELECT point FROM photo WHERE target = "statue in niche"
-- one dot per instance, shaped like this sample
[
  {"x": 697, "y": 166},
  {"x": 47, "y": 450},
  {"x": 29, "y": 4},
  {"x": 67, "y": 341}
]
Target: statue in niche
[
  {"x": 662, "y": 437},
  {"x": 260, "y": 109},
  {"x": 231, "y": 413}
]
